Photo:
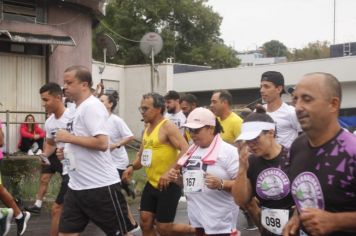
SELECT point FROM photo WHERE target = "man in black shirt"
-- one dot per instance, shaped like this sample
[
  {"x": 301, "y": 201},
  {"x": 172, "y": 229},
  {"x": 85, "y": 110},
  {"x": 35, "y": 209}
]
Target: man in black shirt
[{"x": 323, "y": 161}]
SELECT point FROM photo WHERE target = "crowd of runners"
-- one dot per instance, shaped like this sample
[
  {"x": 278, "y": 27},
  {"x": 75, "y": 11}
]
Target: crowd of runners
[{"x": 290, "y": 168}]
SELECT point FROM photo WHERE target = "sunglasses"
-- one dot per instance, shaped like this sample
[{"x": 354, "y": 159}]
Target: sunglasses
[{"x": 195, "y": 131}]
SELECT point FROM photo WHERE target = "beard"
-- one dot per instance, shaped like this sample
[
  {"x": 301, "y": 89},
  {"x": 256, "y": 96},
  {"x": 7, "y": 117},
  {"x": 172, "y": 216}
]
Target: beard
[{"x": 171, "y": 110}]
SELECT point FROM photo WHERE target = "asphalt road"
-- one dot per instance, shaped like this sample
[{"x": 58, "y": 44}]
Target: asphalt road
[{"x": 39, "y": 225}]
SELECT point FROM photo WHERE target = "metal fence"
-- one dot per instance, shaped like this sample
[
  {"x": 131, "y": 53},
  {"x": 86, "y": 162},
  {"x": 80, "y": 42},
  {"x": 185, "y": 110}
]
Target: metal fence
[{"x": 8, "y": 122}]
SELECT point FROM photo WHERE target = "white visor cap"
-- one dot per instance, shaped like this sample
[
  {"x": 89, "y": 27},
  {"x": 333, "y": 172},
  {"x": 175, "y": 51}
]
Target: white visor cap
[{"x": 251, "y": 130}]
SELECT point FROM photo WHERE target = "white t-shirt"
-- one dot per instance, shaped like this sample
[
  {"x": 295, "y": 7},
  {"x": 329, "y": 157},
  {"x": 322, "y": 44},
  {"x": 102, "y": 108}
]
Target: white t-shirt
[
  {"x": 52, "y": 124},
  {"x": 214, "y": 210},
  {"x": 118, "y": 130},
  {"x": 287, "y": 124},
  {"x": 94, "y": 169},
  {"x": 178, "y": 119}
]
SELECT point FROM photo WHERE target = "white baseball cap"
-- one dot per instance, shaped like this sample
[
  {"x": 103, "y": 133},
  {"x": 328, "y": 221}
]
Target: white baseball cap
[{"x": 200, "y": 117}]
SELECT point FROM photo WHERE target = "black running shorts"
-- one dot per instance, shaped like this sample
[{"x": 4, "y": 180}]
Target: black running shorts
[
  {"x": 106, "y": 207},
  {"x": 63, "y": 189},
  {"x": 55, "y": 166},
  {"x": 162, "y": 203}
]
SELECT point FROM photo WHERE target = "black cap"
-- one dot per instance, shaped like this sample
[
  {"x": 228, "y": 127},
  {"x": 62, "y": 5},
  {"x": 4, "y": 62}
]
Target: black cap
[{"x": 274, "y": 77}]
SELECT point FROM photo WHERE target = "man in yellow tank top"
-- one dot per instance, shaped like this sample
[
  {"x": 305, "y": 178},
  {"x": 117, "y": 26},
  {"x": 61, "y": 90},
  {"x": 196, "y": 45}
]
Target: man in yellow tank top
[
  {"x": 220, "y": 105},
  {"x": 158, "y": 153}
]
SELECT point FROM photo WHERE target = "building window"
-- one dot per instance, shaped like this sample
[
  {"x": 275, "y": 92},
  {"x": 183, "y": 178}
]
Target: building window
[
  {"x": 18, "y": 48},
  {"x": 22, "y": 10}
]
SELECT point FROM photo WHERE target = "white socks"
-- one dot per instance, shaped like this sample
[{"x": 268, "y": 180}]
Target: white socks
[
  {"x": 38, "y": 203},
  {"x": 19, "y": 216}
]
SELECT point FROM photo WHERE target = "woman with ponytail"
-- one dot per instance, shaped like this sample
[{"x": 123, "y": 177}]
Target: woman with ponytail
[
  {"x": 119, "y": 135},
  {"x": 263, "y": 172}
]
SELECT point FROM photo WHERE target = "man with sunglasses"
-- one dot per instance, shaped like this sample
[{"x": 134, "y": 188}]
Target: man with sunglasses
[{"x": 158, "y": 153}]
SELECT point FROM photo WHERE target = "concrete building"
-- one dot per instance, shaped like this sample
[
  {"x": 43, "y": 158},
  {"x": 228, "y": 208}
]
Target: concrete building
[
  {"x": 244, "y": 83},
  {"x": 257, "y": 59},
  {"x": 133, "y": 81},
  {"x": 39, "y": 39}
]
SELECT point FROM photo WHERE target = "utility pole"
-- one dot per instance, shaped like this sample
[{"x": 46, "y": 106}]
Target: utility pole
[{"x": 334, "y": 22}]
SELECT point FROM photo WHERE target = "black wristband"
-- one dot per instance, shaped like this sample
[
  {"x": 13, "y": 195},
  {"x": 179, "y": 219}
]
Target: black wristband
[{"x": 129, "y": 166}]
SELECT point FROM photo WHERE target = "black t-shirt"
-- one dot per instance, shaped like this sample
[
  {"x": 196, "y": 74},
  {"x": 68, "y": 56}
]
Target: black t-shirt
[
  {"x": 325, "y": 177},
  {"x": 269, "y": 180}
]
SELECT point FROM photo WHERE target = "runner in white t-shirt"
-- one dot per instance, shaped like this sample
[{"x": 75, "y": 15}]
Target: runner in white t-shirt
[
  {"x": 174, "y": 113},
  {"x": 94, "y": 190},
  {"x": 209, "y": 168},
  {"x": 288, "y": 127},
  {"x": 120, "y": 135},
  {"x": 287, "y": 124},
  {"x": 51, "y": 96}
]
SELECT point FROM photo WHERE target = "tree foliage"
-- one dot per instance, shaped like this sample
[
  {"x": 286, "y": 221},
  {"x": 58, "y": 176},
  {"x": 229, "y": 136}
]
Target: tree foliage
[
  {"x": 274, "y": 48},
  {"x": 314, "y": 50},
  {"x": 190, "y": 30}
]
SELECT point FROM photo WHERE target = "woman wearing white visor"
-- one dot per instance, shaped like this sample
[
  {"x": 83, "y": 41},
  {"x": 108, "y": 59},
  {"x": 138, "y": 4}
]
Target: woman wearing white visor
[
  {"x": 209, "y": 168},
  {"x": 263, "y": 172}
]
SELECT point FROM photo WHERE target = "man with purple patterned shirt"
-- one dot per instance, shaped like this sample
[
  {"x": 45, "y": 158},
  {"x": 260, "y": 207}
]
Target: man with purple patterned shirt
[{"x": 323, "y": 161}]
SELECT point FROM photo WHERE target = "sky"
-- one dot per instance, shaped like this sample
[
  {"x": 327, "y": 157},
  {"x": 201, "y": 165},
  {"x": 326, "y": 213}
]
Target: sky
[{"x": 247, "y": 24}]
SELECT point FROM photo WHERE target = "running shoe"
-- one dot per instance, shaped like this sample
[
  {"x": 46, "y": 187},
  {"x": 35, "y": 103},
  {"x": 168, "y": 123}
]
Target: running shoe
[
  {"x": 22, "y": 223},
  {"x": 5, "y": 221}
]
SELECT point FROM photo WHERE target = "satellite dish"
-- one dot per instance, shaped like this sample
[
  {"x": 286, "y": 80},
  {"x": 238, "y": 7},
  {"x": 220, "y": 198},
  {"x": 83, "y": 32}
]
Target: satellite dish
[
  {"x": 151, "y": 43},
  {"x": 106, "y": 43}
]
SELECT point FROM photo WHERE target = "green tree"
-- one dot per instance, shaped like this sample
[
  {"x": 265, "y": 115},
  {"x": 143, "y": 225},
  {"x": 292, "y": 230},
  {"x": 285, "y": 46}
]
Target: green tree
[
  {"x": 190, "y": 30},
  {"x": 274, "y": 48},
  {"x": 314, "y": 50}
]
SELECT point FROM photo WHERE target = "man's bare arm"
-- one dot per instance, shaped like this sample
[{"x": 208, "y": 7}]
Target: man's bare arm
[{"x": 99, "y": 142}]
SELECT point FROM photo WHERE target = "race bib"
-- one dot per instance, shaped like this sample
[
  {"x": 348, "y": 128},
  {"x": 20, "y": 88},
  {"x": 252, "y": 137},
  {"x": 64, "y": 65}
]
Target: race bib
[
  {"x": 274, "y": 220},
  {"x": 193, "y": 181},
  {"x": 68, "y": 162},
  {"x": 146, "y": 157}
]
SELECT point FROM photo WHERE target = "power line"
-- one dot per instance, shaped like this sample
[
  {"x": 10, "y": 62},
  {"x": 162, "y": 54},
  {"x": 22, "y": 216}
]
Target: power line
[{"x": 117, "y": 34}]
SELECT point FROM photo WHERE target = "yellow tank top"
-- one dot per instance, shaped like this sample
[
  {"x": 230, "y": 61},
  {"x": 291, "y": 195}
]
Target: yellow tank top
[{"x": 163, "y": 155}]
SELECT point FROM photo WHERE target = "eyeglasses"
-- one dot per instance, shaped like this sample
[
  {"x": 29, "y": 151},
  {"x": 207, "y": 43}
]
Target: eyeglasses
[
  {"x": 195, "y": 131},
  {"x": 143, "y": 109}
]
